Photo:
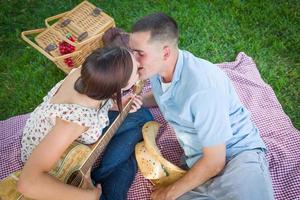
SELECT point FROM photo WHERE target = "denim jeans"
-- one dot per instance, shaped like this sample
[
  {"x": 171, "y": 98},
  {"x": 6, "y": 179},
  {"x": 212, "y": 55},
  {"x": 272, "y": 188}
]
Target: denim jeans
[{"x": 118, "y": 166}]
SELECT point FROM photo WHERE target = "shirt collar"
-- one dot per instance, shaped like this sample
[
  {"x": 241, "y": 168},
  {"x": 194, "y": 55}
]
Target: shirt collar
[
  {"x": 178, "y": 68},
  {"x": 177, "y": 73}
]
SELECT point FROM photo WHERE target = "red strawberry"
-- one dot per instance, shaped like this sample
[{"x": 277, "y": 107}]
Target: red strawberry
[{"x": 65, "y": 48}]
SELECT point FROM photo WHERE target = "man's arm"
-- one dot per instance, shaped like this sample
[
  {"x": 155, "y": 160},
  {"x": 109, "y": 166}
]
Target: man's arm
[
  {"x": 212, "y": 162},
  {"x": 148, "y": 100},
  {"x": 212, "y": 125}
]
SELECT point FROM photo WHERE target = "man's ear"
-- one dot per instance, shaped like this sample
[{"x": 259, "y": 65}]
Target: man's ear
[{"x": 166, "y": 52}]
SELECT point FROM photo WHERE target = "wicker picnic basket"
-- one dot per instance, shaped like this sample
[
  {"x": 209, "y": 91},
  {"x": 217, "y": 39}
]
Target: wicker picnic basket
[{"x": 85, "y": 24}]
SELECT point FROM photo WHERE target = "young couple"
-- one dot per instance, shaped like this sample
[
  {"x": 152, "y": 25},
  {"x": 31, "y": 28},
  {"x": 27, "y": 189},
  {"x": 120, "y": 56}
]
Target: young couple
[{"x": 223, "y": 151}]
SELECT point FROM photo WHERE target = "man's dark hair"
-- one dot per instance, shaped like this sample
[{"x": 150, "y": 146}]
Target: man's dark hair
[{"x": 161, "y": 26}]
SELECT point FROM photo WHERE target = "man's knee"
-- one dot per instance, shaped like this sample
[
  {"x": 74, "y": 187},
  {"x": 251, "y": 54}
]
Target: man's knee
[{"x": 249, "y": 166}]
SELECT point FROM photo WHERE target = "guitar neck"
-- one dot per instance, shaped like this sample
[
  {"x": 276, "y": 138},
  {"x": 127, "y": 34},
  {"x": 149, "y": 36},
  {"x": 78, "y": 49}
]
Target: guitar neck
[{"x": 100, "y": 146}]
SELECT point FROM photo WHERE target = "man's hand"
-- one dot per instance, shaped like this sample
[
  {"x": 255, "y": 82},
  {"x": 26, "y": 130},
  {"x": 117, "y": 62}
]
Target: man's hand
[
  {"x": 208, "y": 166},
  {"x": 149, "y": 100},
  {"x": 163, "y": 193}
]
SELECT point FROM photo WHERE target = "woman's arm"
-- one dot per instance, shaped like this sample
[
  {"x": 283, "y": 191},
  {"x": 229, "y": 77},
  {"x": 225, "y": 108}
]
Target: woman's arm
[{"x": 35, "y": 182}]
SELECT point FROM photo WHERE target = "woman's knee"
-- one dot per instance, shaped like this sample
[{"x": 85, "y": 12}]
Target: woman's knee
[{"x": 144, "y": 114}]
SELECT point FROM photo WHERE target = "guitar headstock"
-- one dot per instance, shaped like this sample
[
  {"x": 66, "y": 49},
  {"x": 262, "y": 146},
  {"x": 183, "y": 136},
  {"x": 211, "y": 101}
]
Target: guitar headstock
[{"x": 138, "y": 87}]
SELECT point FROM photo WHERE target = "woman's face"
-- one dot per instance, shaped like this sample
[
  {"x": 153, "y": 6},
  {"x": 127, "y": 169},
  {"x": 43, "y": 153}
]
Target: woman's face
[{"x": 134, "y": 75}]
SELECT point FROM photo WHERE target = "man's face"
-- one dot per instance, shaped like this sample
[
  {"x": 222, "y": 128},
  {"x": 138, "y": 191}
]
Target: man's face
[{"x": 148, "y": 54}]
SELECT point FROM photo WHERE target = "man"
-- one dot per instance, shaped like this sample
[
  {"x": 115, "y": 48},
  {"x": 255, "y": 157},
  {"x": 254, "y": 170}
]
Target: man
[{"x": 222, "y": 147}]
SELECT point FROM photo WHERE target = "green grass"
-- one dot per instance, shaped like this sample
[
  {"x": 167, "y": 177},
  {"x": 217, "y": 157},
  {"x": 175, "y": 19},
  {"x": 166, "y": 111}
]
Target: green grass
[{"x": 269, "y": 32}]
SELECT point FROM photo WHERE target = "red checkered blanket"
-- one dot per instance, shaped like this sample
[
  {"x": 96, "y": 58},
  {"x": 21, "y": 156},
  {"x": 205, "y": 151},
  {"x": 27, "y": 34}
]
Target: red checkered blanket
[{"x": 276, "y": 129}]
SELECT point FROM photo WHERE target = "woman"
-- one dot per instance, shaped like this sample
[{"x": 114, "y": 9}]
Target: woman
[{"x": 77, "y": 109}]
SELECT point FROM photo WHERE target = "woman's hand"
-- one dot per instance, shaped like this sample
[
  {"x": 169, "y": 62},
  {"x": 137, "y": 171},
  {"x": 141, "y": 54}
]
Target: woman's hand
[
  {"x": 36, "y": 183},
  {"x": 88, "y": 185},
  {"x": 136, "y": 103}
]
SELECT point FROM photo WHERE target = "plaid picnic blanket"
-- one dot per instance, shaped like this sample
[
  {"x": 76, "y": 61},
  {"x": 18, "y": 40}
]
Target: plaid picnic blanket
[{"x": 276, "y": 129}]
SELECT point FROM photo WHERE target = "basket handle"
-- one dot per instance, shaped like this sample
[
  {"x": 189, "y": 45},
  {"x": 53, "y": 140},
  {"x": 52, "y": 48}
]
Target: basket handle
[
  {"x": 42, "y": 51},
  {"x": 47, "y": 20},
  {"x": 64, "y": 38},
  {"x": 78, "y": 44}
]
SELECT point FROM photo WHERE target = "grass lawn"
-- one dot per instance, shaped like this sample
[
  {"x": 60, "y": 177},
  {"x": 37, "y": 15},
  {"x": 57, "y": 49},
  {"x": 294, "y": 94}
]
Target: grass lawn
[{"x": 215, "y": 30}]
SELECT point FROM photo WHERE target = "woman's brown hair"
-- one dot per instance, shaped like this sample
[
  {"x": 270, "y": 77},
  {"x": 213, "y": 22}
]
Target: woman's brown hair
[
  {"x": 104, "y": 73},
  {"x": 115, "y": 37}
]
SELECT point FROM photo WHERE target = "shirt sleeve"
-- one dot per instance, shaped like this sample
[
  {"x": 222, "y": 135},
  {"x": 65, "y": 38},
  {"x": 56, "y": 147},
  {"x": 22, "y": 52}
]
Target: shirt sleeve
[
  {"x": 210, "y": 110},
  {"x": 74, "y": 113}
]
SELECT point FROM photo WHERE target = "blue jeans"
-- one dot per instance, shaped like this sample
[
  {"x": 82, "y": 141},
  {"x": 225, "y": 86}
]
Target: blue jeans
[
  {"x": 118, "y": 166},
  {"x": 245, "y": 177}
]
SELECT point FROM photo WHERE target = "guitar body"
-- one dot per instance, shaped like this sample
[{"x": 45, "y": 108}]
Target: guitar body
[{"x": 67, "y": 170}]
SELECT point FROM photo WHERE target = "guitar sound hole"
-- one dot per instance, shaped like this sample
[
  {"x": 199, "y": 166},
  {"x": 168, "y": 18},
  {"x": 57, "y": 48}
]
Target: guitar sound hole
[{"x": 75, "y": 179}]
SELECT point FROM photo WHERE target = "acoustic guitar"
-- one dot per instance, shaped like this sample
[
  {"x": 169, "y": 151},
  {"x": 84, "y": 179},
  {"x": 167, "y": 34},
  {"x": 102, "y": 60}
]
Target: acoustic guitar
[{"x": 76, "y": 161}]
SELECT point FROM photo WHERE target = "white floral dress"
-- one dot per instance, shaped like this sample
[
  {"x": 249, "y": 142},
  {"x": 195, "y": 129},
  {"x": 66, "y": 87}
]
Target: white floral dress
[{"x": 43, "y": 119}]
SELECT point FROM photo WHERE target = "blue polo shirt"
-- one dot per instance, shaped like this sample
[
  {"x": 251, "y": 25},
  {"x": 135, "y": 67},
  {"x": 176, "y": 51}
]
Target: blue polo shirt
[{"x": 204, "y": 109}]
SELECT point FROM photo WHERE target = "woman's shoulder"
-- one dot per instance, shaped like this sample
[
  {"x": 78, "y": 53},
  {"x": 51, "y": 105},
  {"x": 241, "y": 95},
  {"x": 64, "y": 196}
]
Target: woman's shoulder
[{"x": 62, "y": 90}]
